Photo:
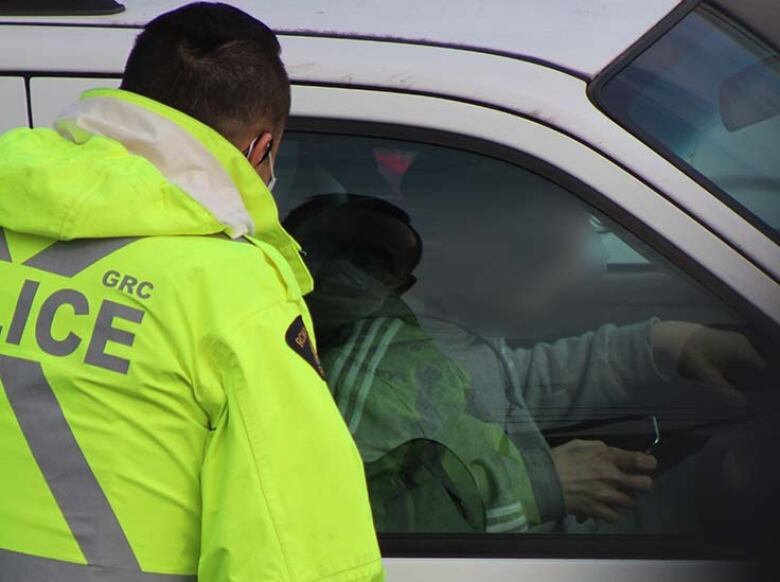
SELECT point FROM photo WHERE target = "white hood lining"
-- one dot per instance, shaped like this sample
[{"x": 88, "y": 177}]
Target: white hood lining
[{"x": 181, "y": 158}]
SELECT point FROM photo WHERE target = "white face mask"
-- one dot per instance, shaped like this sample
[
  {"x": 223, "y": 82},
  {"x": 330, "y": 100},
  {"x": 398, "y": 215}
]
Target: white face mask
[
  {"x": 248, "y": 155},
  {"x": 272, "y": 181}
]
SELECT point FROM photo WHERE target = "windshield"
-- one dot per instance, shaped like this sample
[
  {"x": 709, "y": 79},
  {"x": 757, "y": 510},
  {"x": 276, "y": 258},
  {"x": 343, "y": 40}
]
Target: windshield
[{"x": 708, "y": 94}]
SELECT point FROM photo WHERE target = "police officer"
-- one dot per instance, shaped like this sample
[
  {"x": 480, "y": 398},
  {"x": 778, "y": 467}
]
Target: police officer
[{"x": 162, "y": 410}]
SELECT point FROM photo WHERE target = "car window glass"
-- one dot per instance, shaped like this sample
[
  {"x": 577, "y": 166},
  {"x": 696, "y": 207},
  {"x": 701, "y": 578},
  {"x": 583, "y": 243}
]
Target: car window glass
[
  {"x": 501, "y": 366},
  {"x": 708, "y": 92}
]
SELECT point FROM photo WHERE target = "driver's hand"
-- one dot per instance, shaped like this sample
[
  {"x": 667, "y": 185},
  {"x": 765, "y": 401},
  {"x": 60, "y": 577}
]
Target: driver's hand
[
  {"x": 706, "y": 354},
  {"x": 599, "y": 481}
]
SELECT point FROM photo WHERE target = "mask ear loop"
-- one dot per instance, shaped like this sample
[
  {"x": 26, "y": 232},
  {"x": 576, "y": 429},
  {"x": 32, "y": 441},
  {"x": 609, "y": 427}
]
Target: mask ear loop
[
  {"x": 268, "y": 154},
  {"x": 248, "y": 151},
  {"x": 272, "y": 181}
]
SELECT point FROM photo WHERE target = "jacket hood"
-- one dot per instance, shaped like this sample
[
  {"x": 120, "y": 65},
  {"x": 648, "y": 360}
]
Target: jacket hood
[{"x": 118, "y": 164}]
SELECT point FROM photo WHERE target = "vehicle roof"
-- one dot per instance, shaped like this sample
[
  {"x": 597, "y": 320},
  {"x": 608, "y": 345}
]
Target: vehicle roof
[{"x": 582, "y": 36}]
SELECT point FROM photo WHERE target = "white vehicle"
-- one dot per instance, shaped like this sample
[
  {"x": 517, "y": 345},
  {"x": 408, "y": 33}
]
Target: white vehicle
[{"x": 660, "y": 118}]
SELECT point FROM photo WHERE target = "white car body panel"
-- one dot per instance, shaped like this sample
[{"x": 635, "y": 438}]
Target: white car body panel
[
  {"x": 89, "y": 50},
  {"x": 13, "y": 112},
  {"x": 580, "y": 35},
  {"x": 49, "y": 96}
]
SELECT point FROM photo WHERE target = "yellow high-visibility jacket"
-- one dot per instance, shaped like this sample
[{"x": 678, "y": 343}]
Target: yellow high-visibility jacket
[{"x": 162, "y": 410}]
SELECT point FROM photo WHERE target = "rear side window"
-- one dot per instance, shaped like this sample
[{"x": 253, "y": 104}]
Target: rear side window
[{"x": 707, "y": 94}]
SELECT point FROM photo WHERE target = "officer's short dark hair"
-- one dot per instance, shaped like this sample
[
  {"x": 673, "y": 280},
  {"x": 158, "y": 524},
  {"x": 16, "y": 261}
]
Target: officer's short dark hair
[{"x": 213, "y": 62}]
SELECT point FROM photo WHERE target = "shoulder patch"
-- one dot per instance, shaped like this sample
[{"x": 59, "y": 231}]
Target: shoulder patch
[{"x": 298, "y": 339}]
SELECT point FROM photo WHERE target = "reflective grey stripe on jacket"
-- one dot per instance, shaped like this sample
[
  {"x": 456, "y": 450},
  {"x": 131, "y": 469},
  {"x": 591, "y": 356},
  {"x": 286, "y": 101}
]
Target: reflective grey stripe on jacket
[
  {"x": 69, "y": 258},
  {"x": 16, "y": 567},
  {"x": 5, "y": 254},
  {"x": 75, "y": 488},
  {"x": 68, "y": 475}
]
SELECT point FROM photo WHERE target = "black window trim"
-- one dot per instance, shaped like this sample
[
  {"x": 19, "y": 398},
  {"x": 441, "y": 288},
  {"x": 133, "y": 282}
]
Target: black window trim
[
  {"x": 42, "y": 8},
  {"x": 28, "y": 101},
  {"x": 595, "y": 92}
]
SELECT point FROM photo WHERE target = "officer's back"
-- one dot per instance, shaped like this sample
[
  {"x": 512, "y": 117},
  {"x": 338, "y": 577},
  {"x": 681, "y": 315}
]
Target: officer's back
[{"x": 162, "y": 411}]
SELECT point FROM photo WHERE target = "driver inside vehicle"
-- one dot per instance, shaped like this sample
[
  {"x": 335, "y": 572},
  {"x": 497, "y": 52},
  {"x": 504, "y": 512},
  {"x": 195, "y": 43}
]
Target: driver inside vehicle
[{"x": 412, "y": 359}]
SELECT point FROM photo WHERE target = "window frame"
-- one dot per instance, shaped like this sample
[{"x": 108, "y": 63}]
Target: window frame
[{"x": 595, "y": 92}]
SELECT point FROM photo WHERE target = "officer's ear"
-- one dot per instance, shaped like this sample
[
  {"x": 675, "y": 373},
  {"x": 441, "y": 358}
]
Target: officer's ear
[{"x": 258, "y": 149}]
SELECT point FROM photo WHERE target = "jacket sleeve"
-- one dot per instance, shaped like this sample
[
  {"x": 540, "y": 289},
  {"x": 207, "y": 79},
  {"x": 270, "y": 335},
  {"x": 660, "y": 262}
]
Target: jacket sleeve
[
  {"x": 497, "y": 468},
  {"x": 412, "y": 393},
  {"x": 283, "y": 488},
  {"x": 596, "y": 369}
]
